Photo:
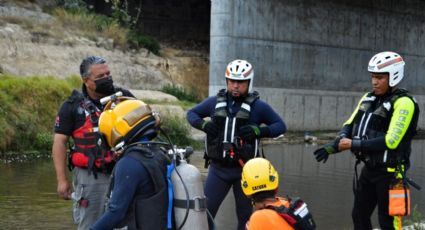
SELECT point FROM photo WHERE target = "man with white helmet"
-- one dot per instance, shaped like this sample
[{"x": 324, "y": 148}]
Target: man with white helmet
[
  {"x": 238, "y": 120},
  {"x": 379, "y": 133}
]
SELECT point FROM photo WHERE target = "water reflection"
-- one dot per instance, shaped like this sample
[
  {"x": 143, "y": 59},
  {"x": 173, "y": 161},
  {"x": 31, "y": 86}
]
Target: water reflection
[
  {"x": 327, "y": 188},
  {"x": 28, "y": 199}
]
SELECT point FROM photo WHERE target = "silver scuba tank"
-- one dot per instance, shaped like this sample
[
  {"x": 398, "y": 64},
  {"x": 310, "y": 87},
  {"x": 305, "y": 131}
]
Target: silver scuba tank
[{"x": 189, "y": 200}]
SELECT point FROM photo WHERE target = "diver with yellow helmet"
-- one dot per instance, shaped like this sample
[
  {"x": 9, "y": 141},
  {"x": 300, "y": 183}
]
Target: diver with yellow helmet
[
  {"x": 260, "y": 182},
  {"x": 138, "y": 197}
]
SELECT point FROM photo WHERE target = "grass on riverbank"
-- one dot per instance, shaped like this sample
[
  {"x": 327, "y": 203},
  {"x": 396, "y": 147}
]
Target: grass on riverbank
[
  {"x": 181, "y": 93},
  {"x": 27, "y": 110},
  {"x": 179, "y": 132},
  {"x": 91, "y": 25},
  {"x": 28, "y": 106},
  {"x": 415, "y": 221}
]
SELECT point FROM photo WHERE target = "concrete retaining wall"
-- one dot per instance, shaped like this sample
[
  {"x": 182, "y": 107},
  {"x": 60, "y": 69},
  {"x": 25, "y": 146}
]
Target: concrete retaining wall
[{"x": 319, "y": 49}]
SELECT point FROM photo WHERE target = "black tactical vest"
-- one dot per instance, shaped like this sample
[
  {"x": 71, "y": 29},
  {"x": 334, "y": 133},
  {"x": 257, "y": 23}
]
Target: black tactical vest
[
  {"x": 227, "y": 147},
  {"x": 373, "y": 119},
  {"x": 149, "y": 213}
]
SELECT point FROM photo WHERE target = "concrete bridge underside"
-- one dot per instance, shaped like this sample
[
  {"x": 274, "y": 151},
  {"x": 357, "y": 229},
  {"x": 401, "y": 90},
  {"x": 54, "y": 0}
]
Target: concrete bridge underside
[{"x": 310, "y": 57}]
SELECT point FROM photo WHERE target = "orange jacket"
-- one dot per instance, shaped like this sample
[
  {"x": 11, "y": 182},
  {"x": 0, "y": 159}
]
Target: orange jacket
[{"x": 267, "y": 219}]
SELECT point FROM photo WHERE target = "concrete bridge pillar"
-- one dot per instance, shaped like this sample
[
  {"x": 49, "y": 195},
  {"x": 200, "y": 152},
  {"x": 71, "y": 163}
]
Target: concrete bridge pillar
[{"x": 310, "y": 57}]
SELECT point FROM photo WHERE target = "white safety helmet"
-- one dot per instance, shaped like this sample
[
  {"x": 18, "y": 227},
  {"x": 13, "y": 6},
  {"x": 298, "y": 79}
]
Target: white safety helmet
[
  {"x": 388, "y": 62},
  {"x": 240, "y": 70}
]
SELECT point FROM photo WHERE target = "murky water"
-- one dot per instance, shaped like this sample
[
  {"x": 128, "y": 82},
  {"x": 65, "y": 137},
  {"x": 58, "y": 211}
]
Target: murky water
[
  {"x": 28, "y": 199},
  {"x": 327, "y": 188}
]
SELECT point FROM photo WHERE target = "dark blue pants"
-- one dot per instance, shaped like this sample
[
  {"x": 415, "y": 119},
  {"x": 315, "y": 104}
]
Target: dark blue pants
[
  {"x": 372, "y": 191},
  {"x": 218, "y": 183}
]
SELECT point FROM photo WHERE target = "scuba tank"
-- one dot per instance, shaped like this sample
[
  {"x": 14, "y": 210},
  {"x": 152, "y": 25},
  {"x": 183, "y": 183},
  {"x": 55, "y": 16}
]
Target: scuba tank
[{"x": 189, "y": 200}]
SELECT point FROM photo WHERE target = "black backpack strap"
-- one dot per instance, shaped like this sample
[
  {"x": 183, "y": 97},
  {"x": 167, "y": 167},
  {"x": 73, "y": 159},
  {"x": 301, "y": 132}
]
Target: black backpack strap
[
  {"x": 283, "y": 212},
  {"x": 297, "y": 214}
]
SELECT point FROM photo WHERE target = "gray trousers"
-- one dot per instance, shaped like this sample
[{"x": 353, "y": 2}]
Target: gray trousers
[{"x": 89, "y": 197}]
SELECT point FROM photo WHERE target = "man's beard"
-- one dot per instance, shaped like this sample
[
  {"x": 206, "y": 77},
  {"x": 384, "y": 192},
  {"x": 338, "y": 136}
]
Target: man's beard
[{"x": 239, "y": 98}]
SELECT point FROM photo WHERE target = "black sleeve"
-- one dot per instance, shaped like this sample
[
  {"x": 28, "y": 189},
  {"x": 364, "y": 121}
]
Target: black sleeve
[
  {"x": 65, "y": 120},
  {"x": 345, "y": 131},
  {"x": 196, "y": 115},
  {"x": 371, "y": 145},
  {"x": 375, "y": 144}
]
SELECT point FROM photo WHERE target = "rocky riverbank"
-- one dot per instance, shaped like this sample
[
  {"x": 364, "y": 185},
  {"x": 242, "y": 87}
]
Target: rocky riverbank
[{"x": 32, "y": 45}]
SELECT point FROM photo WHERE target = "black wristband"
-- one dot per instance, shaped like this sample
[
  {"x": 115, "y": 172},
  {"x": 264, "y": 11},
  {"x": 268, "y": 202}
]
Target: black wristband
[{"x": 356, "y": 145}]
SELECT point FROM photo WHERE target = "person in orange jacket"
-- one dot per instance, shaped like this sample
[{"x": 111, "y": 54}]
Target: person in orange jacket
[{"x": 260, "y": 182}]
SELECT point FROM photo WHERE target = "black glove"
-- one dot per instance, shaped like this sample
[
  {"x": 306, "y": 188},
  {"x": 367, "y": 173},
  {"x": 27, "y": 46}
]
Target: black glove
[
  {"x": 210, "y": 128},
  {"x": 323, "y": 152},
  {"x": 250, "y": 132}
]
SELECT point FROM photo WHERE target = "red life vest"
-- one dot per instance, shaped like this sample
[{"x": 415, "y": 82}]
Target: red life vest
[{"x": 90, "y": 149}]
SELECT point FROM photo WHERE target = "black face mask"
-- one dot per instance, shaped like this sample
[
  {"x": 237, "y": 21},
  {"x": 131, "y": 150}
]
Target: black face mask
[{"x": 105, "y": 86}]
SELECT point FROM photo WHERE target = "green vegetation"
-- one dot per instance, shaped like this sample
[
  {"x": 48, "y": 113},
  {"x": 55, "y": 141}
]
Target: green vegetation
[
  {"x": 178, "y": 130},
  {"x": 28, "y": 107},
  {"x": 27, "y": 110},
  {"x": 121, "y": 26},
  {"x": 415, "y": 220},
  {"x": 137, "y": 41},
  {"x": 90, "y": 25},
  {"x": 181, "y": 93},
  {"x": 74, "y": 19}
]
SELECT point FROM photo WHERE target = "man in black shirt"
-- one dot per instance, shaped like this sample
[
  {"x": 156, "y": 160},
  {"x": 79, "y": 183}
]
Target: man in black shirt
[{"x": 78, "y": 118}]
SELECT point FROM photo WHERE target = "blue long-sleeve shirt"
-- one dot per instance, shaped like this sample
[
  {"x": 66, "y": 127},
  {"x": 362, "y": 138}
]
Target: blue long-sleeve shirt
[
  {"x": 261, "y": 113},
  {"x": 130, "y": 176}
]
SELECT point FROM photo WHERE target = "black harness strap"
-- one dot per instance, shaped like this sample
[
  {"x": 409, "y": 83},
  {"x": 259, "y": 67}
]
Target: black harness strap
[{"x": 356, "y": 175}]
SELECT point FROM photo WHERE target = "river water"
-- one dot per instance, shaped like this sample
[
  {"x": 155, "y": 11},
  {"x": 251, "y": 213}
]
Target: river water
[{"x": 28, "y": 199}]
